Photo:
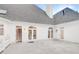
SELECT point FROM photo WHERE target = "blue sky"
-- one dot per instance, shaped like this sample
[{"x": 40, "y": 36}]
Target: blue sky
[{"x": 58, "y": 7}]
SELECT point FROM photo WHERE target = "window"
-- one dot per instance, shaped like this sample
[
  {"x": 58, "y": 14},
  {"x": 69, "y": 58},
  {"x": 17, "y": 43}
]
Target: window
[
  {"x": 1, "y": 29},
  {"x": 63, "y": 12}
]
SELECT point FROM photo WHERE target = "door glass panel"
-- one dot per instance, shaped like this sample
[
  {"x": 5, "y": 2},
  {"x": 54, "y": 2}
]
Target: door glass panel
[
  {"x": 30, "y": 34},
  {"x": 48, "y": 34},
  {"x": 34, "y": 34}
]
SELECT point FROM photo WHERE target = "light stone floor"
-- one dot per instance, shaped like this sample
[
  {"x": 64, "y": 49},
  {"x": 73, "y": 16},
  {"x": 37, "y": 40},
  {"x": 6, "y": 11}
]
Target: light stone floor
[{"x": 43, "y": 47}]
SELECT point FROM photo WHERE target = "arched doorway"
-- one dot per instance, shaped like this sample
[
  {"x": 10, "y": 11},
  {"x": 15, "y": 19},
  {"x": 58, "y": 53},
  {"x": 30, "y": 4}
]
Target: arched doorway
[
  {"x": 50, "y": 33},
  {"x": 32, "y": 33}
]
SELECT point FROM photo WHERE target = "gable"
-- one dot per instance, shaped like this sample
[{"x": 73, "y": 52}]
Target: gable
[{"x": 66, "y": 15}]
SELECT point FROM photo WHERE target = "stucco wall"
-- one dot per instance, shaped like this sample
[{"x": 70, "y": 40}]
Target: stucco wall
[
  {"x": 5, "y": 38},
  {"x": 71, "y": 31},
  {"x": 42, "y": 30},
  {"x": 10, "y": 31}
]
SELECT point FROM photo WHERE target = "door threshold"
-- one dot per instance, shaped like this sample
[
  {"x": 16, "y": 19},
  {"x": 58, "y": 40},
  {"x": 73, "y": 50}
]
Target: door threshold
[{"x": 31, "y": 42}]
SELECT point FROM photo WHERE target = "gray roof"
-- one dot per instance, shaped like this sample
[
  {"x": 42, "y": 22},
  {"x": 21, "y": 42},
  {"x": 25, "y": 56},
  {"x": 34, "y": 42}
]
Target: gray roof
[
  {"x": 31, "y": 13},
  {"x": 26, "y": 13},
  {"x": 66, "y": 15}
]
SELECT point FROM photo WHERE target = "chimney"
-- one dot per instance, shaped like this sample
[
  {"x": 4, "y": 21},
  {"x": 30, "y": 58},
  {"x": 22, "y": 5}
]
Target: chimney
[{"x": 49, "y": 10}]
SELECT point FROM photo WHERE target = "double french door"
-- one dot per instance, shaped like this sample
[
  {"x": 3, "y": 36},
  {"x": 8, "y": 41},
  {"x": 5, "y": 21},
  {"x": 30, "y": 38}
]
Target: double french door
[{"x": 32, "y": 33}]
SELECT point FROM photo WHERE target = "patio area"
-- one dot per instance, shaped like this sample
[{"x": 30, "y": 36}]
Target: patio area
[{"x": 43, "y": 47}]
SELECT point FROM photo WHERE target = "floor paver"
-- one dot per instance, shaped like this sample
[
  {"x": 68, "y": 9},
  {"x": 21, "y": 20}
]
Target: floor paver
[{"x": 43, "y": 47}]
